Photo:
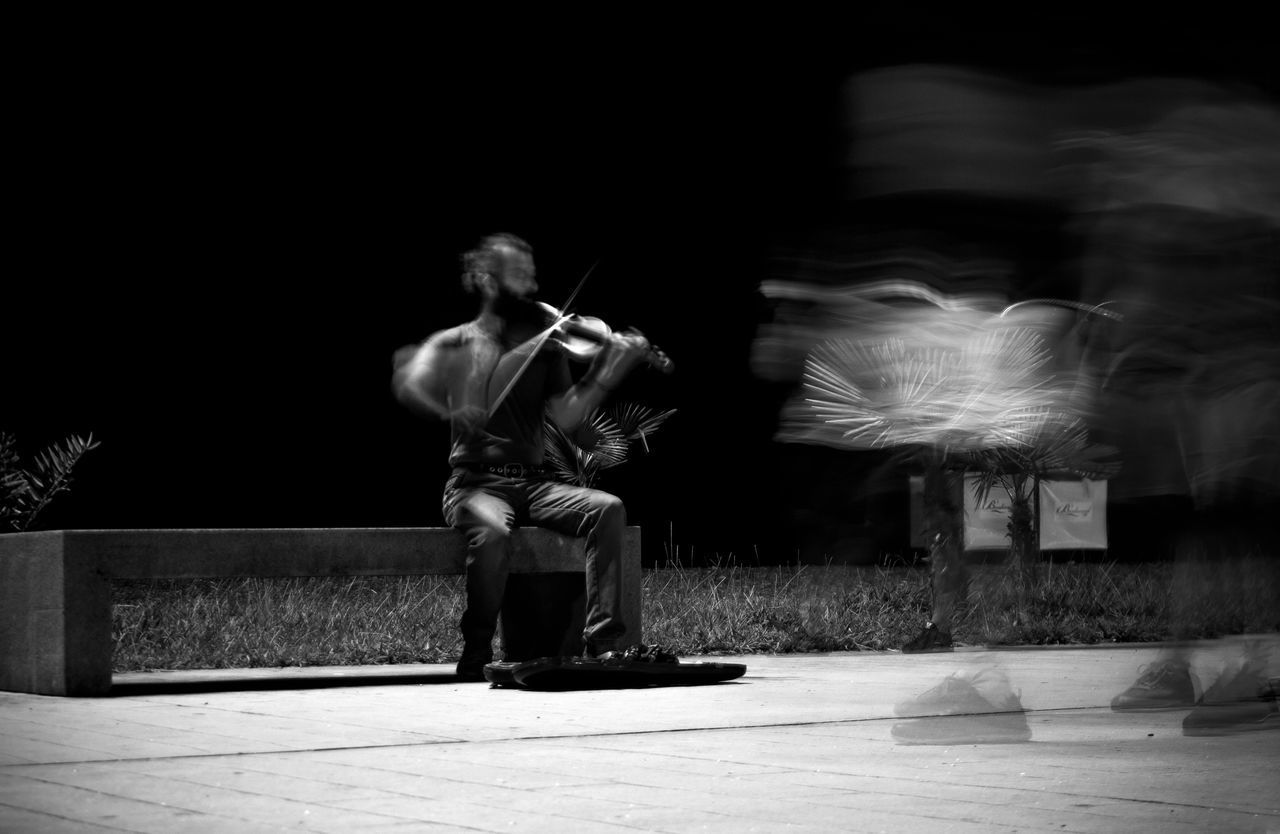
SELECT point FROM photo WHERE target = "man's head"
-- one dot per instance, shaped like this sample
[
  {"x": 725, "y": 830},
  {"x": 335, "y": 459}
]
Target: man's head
[{"x": 500, "y": 265}]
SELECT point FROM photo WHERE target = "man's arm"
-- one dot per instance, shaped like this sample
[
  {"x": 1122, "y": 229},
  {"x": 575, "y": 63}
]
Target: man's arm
[
  {"x": 575, "y": 406},
  {"x": 420, "y": 381},
  {"x": 444, "y": 378},
  {"x": 447, "y": 378}
]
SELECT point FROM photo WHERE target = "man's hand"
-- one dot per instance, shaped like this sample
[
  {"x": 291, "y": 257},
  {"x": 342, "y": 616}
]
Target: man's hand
[
  {"x": 469, "y": 421},
  {"x": 445, "y": 378},
  {"x": 618, "y": 357}
]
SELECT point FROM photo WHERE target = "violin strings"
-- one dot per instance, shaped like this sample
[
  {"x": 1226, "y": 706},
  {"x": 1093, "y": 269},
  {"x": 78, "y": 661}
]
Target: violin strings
[{"x": 542, "y": 338}]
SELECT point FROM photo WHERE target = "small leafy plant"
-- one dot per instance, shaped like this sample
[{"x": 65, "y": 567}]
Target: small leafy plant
[
  {"x": 602, "y": 444},
  {"x": 26, "y": 490}
]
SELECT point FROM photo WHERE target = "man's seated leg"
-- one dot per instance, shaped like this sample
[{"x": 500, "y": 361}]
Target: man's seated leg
[
  {"x": 486, "y": 522},
  {"x": 600, "y": 519},
  {"x": 543, "y": 616}
]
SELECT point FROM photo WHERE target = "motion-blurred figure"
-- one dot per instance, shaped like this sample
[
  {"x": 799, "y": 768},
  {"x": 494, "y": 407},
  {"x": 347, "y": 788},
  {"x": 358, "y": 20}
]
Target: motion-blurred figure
[
  {"x": 949, "y": 384},
  {"x": 1168, "y": 191},
  {"x": 1178, "y": 219},
  {"x": 496, "y": 379},
  {"x": 895, "y": 331}
]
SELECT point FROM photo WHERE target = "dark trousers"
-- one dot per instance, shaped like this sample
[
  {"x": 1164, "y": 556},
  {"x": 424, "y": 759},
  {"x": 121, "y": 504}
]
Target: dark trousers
[{"x": 486, "y": 507}]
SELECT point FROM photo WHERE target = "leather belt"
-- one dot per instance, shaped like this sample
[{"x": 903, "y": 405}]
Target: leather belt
[{"x": 510, "y": 470}]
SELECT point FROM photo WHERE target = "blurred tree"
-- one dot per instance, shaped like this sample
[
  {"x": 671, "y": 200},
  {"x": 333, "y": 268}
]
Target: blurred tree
[{"x": 966, "y": 392}]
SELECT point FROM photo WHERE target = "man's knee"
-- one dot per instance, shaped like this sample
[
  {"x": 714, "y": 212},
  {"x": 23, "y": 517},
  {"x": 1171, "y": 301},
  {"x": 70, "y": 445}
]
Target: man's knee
[
  {"x": 489, "y": 537},
  {"x": 604, "y": 503},
  {"x": 609, "y": 510},
  {"x": 486, "y": 524}
]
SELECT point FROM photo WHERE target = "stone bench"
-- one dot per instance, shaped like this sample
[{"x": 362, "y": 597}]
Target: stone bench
[{"x": 55, "y": 595}]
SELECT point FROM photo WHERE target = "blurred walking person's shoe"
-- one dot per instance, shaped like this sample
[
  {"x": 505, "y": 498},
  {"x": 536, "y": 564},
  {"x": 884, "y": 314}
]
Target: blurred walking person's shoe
[
  {"x": 1164, "y": 684},
  {"x": 975, "y": 709},
  {"x": 956, "y": 695},
  {"x": 1240, "y": 702}
]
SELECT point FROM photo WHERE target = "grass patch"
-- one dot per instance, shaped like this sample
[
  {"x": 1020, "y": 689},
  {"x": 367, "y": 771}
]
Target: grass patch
[
  {"x": 250, "y": 622},
  {"x": 747, "y": 610},
  {"x": 243, "y": 623}
]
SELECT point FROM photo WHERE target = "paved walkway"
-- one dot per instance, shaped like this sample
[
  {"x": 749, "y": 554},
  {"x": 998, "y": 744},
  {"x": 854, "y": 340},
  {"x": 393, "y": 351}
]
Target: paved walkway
[{"x": 802, "y": 743}]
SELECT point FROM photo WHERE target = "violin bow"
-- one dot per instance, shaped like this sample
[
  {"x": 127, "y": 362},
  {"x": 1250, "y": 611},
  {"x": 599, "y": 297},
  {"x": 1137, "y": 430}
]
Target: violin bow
[{"x": 542, "y": 339}]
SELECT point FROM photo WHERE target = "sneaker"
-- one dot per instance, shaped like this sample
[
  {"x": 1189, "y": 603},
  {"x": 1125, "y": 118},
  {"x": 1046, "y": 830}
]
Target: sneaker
[
  {"x": 1241, "y": 702},
  {"x": 1166, "y": 684},
  {"x": 956, "y": 712},
  {"x": 931, "y": 639},
  {"x": 638, "y": 654},
  {"x": 954, "y": 696}
]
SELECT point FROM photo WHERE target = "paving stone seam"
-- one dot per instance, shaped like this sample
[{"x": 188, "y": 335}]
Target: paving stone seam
[
  {"x": 504, "y": 739},
  {"x": 979, "y": 785}
]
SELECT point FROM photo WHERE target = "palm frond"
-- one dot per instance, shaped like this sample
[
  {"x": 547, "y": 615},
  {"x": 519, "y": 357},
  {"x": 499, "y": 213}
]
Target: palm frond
[
  {"x": 1069, "y": 451},
  {"x": 569, "y": 463},
  {"x": 637, "y": 422},
  {"x": 1019, "y": 485},
  {"x": 26, "y": 492},
  {"x": 610, "y": 441},
  {"x": 579, "y": 459},
  {"x": 13, "y": 483},
  {"x": 601, "y": 444},
  {"x": 958, "y": 390}
]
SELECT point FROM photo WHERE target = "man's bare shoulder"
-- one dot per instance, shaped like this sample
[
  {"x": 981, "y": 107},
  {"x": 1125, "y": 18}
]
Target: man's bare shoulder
[
  {"x": 459, "y": 334},
  {"x": 447, "y": 339},
  {"x": 451, "y": 336}
]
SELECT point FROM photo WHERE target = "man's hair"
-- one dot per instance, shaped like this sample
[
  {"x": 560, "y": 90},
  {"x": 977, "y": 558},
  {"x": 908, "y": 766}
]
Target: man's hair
[{"x": 485, "y": 258}]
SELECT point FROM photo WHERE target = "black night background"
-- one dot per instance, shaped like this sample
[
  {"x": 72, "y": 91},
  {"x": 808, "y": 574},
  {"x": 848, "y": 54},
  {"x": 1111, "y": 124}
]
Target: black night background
[{"x": 232, "y": 233}]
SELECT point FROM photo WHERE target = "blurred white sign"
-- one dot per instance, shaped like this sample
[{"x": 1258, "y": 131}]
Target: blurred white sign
[
  {"x": 1073, "y": 515},
  {"x": 986, "y": 517}
]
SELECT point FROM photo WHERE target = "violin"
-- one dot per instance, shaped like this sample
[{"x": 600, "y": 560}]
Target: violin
[{"x": 584, "y": 336}]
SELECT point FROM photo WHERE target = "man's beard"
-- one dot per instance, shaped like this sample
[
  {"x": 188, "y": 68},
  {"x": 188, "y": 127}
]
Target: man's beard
[{"x": 518, "y": 310}]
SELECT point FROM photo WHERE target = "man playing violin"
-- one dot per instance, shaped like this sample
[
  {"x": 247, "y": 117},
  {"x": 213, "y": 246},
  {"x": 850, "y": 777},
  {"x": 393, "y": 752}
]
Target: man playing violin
[{"x": 496, "y": 379}]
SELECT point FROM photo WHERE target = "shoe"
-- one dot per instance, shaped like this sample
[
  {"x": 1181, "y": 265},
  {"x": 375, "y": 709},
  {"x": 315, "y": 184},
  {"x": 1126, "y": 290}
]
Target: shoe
[
  {"x": 502, "y": 673},
  {"x": 954, "y": 696},
  {"x": 931, "y": 639},
  {"x": 471, "y": 665},
  {"x": 470, "y": 671},
  {"x": 1166, "y": 684},
  {"x": 638, "y": 653},
  {"x": 956, "y": 712},
  {"x": 1243, "y": 702}
]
